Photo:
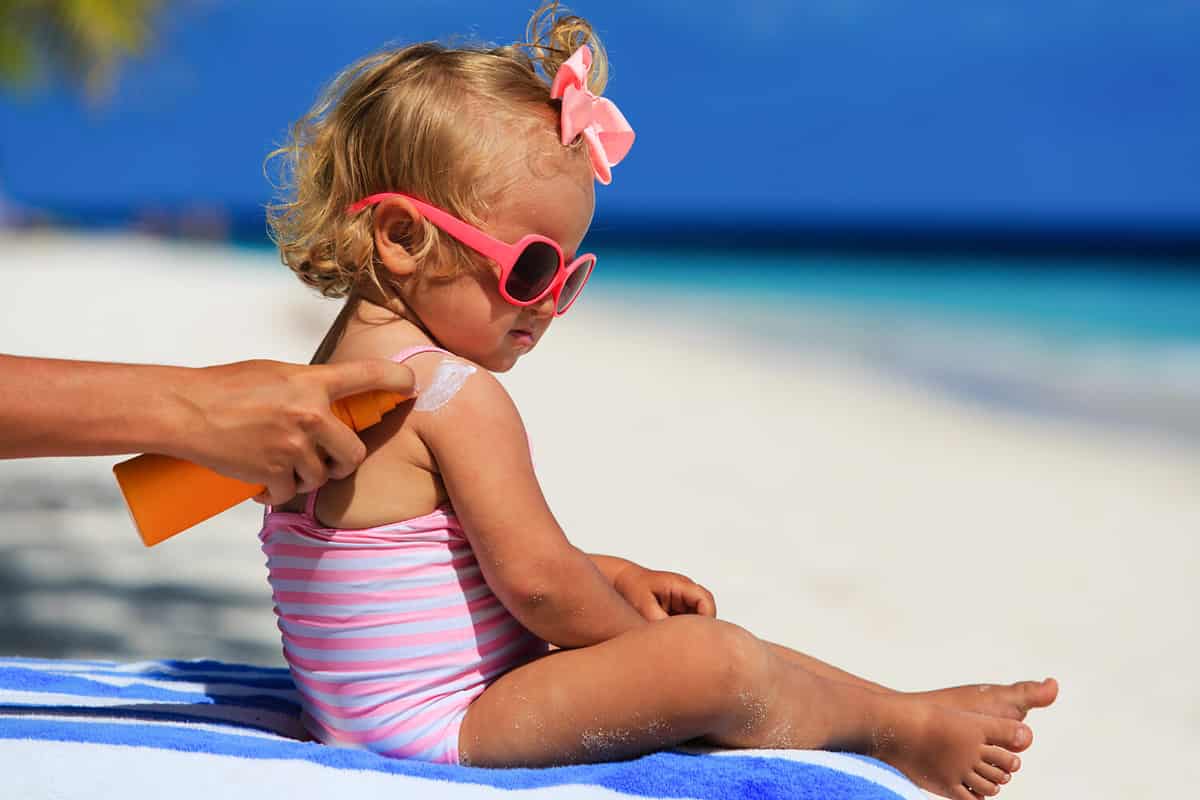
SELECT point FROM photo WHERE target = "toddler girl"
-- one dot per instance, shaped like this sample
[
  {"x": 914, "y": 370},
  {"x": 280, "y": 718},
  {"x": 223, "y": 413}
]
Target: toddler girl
[{"x": 430, "y": 605}]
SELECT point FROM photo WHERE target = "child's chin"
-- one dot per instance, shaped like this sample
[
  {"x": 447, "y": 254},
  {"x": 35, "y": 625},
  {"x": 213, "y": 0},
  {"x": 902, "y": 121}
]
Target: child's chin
[
  {"x": 500, "y": 362},
  {"x": 502, "y": 366}
]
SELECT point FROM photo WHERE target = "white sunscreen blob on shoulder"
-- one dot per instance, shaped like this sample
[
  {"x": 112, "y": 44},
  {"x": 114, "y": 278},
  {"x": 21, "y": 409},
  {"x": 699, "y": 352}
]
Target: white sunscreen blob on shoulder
[{"x": 448, "y": 378}]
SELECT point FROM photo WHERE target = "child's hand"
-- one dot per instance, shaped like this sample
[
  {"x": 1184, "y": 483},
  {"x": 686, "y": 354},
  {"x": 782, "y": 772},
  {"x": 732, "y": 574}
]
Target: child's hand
[{"x": 658, "y": 595}]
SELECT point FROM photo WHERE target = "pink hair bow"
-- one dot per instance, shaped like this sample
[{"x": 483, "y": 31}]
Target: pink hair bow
[{"x": 608, "y": 135}]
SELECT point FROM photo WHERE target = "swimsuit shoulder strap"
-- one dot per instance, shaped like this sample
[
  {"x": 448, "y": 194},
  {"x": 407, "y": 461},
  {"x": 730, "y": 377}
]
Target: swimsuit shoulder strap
[{"x": 409, "y": 352}]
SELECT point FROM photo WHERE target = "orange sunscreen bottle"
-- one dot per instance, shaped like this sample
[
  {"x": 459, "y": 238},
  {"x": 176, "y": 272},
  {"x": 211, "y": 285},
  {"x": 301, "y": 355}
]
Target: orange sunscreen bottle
[{"x": 167, "y": 495}]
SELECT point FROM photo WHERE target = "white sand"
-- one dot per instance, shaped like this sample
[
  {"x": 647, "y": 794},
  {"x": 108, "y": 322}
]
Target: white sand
[{"x": 898, "y": 534}]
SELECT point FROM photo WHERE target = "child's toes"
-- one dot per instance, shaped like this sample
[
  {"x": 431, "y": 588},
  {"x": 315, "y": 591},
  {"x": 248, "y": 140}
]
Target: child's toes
[
  {"x": 981, "y": 785},
  {"x": 1036, "y": 694},
  {"x": 1009, "y": 734},
  {"x": 993, "y": 774},
  {"x": 962, "y": 793},
  {"x": 1047, "y": 694},
  {"x": 1002, "y": 759}
]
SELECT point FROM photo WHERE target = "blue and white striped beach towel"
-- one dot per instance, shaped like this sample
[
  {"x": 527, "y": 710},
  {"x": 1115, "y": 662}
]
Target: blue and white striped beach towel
[{"x": 206, "y": 730}]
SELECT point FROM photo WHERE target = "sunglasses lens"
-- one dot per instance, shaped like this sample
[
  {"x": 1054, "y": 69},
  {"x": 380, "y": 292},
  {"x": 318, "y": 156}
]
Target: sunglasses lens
[
  {"x": 533, "y": 272},
  {"x": 574, "y": 284}
]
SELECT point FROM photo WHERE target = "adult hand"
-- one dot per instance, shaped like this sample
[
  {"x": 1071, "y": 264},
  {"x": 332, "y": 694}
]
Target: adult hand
[
  {"x": 658, "y": 595},
  {"x": 270, "y": 423}
]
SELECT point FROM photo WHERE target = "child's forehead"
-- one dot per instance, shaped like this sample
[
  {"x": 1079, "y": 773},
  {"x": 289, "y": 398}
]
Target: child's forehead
[{"x": 552, "y": 194}]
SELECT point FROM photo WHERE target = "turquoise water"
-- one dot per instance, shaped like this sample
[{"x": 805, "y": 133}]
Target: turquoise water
[
  {"x": 1110, "y": 342},
  {"x": 1121, "y": 300}
]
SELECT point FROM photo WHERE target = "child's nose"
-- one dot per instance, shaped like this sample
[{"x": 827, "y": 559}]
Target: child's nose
[{"x": 545, "y": 306}]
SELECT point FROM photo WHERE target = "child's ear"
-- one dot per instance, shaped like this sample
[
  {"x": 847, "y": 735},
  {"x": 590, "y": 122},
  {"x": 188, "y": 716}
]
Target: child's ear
[{"x": 396, "y": 223}]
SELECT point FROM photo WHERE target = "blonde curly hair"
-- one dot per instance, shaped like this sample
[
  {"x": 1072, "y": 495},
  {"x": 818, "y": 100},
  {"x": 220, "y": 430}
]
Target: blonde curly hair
[{"x": 426, "y": 120}]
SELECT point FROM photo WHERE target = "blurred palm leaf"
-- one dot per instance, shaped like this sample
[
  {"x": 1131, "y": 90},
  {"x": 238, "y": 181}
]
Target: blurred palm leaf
[{"x": 86, "y": 39}]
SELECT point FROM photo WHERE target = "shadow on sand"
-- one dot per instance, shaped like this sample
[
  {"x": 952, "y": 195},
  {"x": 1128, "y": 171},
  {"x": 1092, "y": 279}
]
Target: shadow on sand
[{"x": 61, "y": 597}]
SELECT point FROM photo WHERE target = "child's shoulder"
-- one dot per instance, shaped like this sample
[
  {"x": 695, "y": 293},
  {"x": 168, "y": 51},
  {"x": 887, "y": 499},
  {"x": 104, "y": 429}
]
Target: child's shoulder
[
  {"x": 455, "y": 391},
  {"x": 440, "y": 377}
]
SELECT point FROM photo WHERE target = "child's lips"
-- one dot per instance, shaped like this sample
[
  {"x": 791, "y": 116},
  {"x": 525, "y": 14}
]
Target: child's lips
[{"x": 522, "y": 337}]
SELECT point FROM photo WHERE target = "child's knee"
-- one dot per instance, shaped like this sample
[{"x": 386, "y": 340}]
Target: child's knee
[{"x": 726, "y": 662}]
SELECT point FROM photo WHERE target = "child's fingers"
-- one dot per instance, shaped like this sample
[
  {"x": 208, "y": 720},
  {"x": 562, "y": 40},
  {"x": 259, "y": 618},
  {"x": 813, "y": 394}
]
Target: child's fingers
[
  {"x": 685, "y": 597},
  {"x": 679, "y": 602},
  {"x": 703, "y": 601},
  {"x": 651, "y": 608},
  {"x": 692, "y": 598}
]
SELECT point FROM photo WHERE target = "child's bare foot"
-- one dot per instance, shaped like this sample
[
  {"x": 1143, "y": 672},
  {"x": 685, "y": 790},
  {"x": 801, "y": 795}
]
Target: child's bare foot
[
  {"x": 1013, "y": 701},
  {"x": 956, "y": 754}
]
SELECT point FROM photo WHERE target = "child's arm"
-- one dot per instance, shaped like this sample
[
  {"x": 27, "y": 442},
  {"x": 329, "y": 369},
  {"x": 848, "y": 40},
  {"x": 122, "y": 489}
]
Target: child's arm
[{"x": 549, "y": 585}]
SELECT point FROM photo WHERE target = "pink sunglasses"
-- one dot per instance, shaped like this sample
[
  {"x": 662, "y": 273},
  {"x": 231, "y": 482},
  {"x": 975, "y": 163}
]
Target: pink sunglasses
[{"x": 529, "y": 270}]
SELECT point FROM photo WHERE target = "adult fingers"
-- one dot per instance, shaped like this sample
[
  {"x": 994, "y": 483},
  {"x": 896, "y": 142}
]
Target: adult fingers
[
  {"x": 281, "y": 488},
  {"x": 311, "y": 470},
  {"x": 351, "y": 377},
  {"x": 344, "y": 450}
]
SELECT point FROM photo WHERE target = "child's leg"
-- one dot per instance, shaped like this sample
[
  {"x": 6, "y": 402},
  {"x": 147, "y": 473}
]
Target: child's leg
[
  {"x": 1013, "y": 701},
  {"x": 818, "y": 667},
  {"x": 692, "y": 677}
]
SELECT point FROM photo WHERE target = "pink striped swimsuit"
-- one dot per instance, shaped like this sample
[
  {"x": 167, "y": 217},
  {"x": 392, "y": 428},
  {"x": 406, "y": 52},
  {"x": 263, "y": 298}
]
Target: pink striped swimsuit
[{"x": 390, "y": 632}]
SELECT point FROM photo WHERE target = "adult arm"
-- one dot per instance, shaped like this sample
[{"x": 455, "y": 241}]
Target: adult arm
[{"x": 263, "y": 422}]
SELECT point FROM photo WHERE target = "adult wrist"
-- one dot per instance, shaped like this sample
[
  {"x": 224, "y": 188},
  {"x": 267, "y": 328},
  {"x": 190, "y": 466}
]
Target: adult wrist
[{"x": 174, "y": 421}]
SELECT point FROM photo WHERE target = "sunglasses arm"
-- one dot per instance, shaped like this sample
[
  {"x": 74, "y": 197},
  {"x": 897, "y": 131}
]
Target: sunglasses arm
[{"x": 498, "y": 251}]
